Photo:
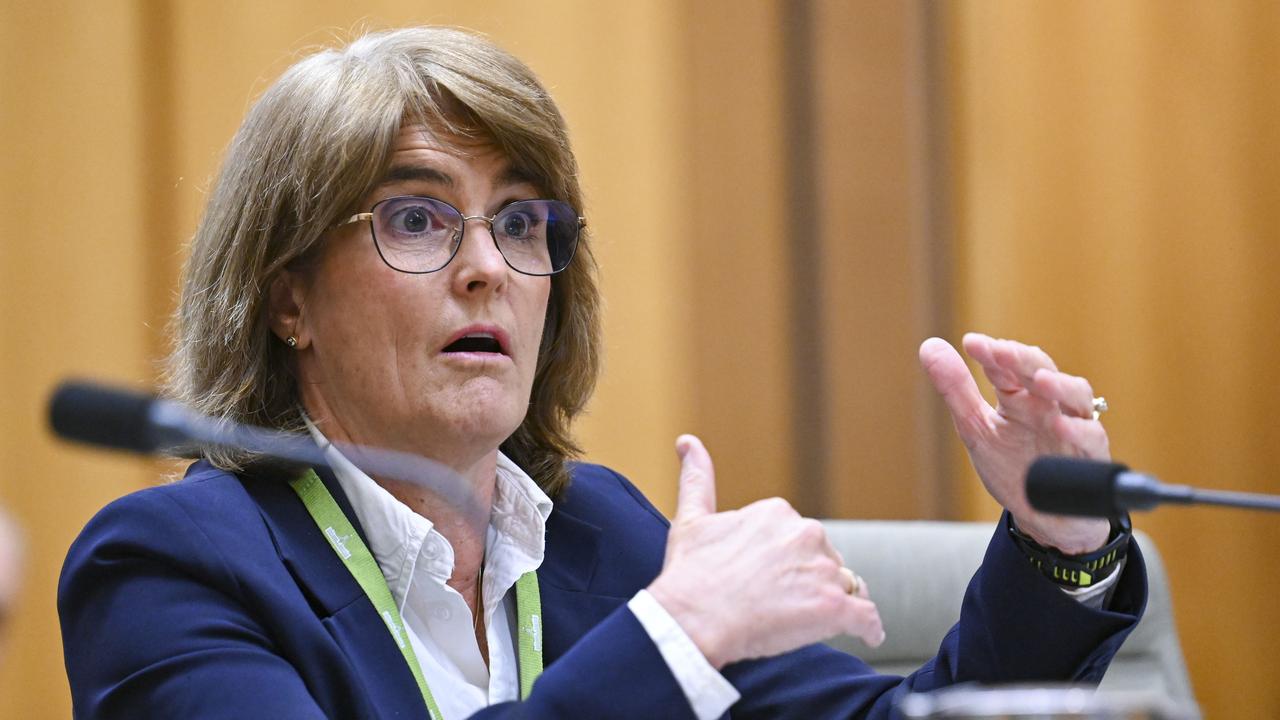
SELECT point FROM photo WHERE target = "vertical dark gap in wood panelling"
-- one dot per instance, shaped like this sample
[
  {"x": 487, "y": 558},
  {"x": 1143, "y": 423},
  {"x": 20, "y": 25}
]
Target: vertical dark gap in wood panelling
[
  {"x": 159, "y": 143},
  {"x": 934, "y": 237},
  {"x": 809, "y": 419}
]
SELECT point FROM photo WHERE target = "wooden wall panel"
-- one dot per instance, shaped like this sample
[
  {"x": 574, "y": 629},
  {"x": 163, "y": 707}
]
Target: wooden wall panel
[
  {"x": 73, "y": 293},
  {"x": 739, "y": 247},
  {"x": 881, "y": 295},
  {"x": 1117, "y": 177}
]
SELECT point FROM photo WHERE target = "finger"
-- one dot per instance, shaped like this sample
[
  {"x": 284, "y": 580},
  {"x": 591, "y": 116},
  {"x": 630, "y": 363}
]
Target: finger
[
  {"x": 810, "y": 536},
  {"x": 697, "y": 496},
  {"x": 1073, "y": 394},
  {"x": 854, "y": 584},
  {"x": 777, "y": 510},
  {"x": 816, "y": 532},
  {"x": 982, "y": 349},
  {"x": 851, "y": 583},
  {"x": 831, "y": 550},
  {"x": 953, "y": 381},
  {"x": 1085, "y": 437},
  {"x": 1021, "y": 359},
  {"x": 863, "y": 621}
]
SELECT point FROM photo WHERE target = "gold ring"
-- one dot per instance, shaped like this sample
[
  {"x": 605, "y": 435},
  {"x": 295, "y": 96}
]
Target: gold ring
[
  {"x": 855, "y": 582},
  {"x": 1099, "y": 407}
]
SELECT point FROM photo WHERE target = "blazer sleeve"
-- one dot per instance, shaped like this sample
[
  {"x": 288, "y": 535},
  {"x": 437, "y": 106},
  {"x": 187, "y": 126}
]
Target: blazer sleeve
[
  {"x": 614, "y": 671},
  {"x": 152, "y": 626},
  {"x": 1015, "y": 626}
]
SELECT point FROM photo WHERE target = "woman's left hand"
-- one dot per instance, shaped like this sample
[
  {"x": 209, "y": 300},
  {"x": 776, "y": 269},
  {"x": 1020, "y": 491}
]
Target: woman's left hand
[{"x": 1039, "y": 411}]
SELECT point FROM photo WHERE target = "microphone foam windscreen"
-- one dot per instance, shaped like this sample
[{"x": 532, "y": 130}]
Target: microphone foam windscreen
[
  {"x": 89, "y": 413},
  {"x": 1073, "y": 486}
]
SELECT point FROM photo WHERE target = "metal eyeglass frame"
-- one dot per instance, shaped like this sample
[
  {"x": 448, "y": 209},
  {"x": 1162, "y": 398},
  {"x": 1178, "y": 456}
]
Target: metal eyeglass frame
[{"x": 461, "y": 233}]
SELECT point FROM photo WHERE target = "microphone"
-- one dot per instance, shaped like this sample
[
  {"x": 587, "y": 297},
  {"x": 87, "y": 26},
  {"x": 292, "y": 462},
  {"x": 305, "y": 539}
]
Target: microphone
[
  {"x": 120, "y": 419},
  {"x": 94, "y": 414},
  {"x": 1092, "y": 488}
]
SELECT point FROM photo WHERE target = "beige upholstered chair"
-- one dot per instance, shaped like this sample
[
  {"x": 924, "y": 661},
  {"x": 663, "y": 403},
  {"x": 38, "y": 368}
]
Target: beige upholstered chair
[{"x": 919, "y": 607}]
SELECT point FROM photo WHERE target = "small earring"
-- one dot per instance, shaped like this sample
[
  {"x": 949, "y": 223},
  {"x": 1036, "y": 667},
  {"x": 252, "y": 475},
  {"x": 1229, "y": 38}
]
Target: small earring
[{"x": 291, "y": 341}]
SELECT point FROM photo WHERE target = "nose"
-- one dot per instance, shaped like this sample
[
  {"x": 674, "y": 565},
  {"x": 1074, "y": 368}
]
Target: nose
[{"x": 478, "y": 265}]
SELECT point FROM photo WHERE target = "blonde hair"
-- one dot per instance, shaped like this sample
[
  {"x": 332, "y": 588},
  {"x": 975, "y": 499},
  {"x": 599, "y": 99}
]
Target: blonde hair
[{"x": 311, "y": 148}]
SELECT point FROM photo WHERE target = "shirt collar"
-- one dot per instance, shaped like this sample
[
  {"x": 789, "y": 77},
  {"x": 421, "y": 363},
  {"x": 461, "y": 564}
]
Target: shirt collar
[
  {"x": 517, "y": 530},
  {"x": 405, "y": 544}
]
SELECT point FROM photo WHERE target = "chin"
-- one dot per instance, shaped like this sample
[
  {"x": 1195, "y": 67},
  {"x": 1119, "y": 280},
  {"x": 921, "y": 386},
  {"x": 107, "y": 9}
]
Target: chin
[{"x": 485, "y": 420}]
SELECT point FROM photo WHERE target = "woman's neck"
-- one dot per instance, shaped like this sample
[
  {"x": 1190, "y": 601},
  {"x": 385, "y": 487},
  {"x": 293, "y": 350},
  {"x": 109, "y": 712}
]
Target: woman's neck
[
  {"x": 462, "y": 518},
  {"x": 465, "y": 528},
  {"x": 465, "y": 531}
]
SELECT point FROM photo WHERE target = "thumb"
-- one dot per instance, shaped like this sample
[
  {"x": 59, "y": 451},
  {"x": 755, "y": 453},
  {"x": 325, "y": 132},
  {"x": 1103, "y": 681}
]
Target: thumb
[
  {"x": 697, "y": 480},
  {"x": 953, "y": 381}
]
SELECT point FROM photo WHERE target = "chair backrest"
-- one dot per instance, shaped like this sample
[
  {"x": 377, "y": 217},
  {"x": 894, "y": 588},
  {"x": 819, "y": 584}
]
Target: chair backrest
[{"x": 918, "y": 572}]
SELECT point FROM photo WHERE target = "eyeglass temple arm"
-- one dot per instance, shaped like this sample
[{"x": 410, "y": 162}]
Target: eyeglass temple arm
[{"x": 358, "y": 217}]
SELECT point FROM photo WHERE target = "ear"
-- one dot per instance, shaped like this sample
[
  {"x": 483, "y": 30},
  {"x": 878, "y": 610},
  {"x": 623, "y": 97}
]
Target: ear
[{"x": 286, "y": 301}]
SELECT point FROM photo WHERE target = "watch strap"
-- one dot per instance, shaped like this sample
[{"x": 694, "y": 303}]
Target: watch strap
[{"x": 1077, "y": 571}]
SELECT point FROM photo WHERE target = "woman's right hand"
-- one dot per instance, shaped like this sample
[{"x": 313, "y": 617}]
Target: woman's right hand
[{"x": 754, "y": 582}]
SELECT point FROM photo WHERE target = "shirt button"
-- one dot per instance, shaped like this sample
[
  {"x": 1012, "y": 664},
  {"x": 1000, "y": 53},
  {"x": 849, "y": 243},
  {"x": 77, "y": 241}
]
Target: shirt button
[
  {"x": 431, "y": 548},
  {"x": 440, "y": 612}
]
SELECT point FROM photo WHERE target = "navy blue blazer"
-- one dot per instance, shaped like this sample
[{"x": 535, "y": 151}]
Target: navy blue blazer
[{"x": 217, "y": 597}]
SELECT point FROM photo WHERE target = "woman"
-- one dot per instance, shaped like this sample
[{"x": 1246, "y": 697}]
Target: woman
[{"x": 393, "y": 257}]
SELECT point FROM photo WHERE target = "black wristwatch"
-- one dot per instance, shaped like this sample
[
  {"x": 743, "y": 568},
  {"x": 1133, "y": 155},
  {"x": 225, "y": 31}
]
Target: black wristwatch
[{"x": 1078, "y": 571}]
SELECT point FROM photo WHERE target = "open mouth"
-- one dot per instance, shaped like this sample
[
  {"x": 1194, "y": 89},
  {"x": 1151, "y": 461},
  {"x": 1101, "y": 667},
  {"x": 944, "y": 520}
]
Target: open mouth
[{"x": 475, "y": 343}]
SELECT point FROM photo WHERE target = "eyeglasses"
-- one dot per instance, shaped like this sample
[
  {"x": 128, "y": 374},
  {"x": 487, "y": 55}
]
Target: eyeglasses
[{"x": 422, "y": 235}]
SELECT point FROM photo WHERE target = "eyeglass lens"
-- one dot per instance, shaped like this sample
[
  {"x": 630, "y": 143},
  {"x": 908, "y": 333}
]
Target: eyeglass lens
[{"x": 421, "y": 235}]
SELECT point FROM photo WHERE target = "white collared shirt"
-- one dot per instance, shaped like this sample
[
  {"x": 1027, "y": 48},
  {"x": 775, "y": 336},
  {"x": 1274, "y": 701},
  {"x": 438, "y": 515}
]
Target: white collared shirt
[{"x": 417, "y": 562}]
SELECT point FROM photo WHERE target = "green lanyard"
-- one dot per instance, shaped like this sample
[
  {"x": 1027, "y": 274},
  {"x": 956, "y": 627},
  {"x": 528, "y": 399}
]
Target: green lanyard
[{"x": 346, "y": 542}]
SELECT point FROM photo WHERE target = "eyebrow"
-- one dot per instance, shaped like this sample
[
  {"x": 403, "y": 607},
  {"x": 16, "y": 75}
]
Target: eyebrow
[
  {"x": 517, "y": 176},
  {"x": 402, "y": 173},
  {"x": 407, "y": 173}
]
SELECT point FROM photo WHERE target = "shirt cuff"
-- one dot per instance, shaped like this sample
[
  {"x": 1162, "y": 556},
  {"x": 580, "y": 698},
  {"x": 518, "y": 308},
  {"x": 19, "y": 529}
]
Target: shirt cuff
[
  {"x": 709, "y": 693},
  {"x": 1095, "y": 596}
]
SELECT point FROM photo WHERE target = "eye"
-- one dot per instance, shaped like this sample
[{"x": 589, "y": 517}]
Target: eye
[
  {"x": 523, "y": 220},
  {"x": 414, "y": 216},
  {"x": 413, "y": 220},
  {"x": 516, "y": 224}
]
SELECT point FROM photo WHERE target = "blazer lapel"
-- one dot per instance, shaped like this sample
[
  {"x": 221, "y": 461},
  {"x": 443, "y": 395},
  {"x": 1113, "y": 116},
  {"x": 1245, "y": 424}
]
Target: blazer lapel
[
  {"x": 319, "y": 572},
  {"x": 572, "y": 552},
  {"x": 336, "y": 597},
  {"x": 569, "y": 607}
]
